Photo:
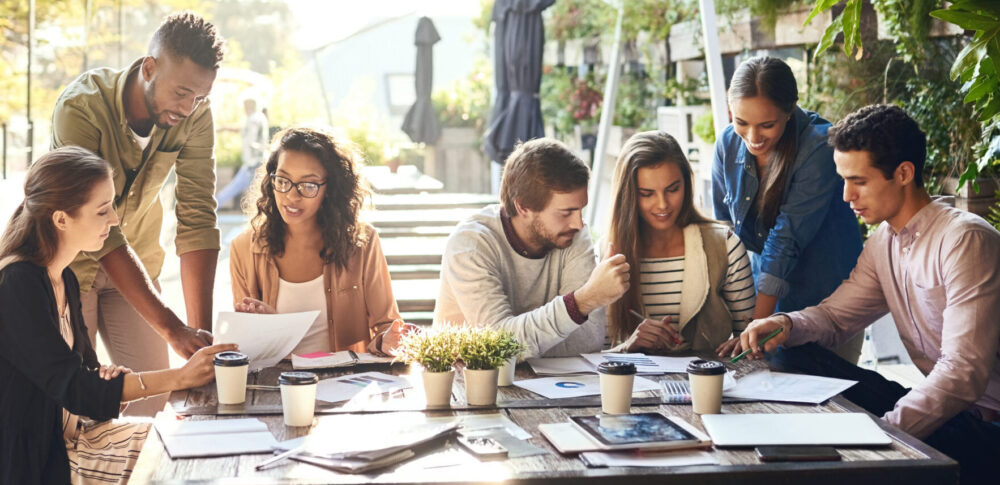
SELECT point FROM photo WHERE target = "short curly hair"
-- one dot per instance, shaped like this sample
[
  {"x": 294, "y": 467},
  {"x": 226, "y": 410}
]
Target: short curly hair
[
  {"x": 888, "y": 134},
  {"x": 187, "y": 34},
  {"x": 535, "y": 170}
]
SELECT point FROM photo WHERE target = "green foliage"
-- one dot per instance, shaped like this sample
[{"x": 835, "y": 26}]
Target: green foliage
[
  {"x": 568, "y": 100},
  {"x": 655, "y": 17},
  {"x": 909, "y": 23},
  {"x": 436, "y": 349},
  {"x": 482, "y": 22},
  {"x": 466, "y": 103},
  {"x": 484, "y": 348},
  {"x": 579, "y": 19},
  {"x": 766, "y": 10},
  {"x": 635, "y": 102},
  {"x": 848, "y": 22},
  {"x": 993, "y": 216},
  {"x": 704, "y": 128}
]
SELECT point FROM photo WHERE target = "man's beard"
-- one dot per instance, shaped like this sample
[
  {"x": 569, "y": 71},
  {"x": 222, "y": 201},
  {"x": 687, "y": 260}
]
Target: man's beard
[
  {"x": 547, "y": 241},
  {"x": 151, "y": 107}
]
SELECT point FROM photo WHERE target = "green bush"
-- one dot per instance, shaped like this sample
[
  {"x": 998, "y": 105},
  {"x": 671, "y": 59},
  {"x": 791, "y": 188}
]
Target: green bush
[
  {"x": 436, "y": 349},
  {"x": 483, "y": 348}
]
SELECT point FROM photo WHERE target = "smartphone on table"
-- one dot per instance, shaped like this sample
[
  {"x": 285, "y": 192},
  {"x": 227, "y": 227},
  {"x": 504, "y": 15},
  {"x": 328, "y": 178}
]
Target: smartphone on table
[{"x": 797, "y": 453}]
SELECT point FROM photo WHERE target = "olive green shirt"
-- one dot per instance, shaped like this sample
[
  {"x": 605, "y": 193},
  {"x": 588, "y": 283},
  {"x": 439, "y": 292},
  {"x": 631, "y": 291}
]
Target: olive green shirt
[{"x": 90, "y": 113}]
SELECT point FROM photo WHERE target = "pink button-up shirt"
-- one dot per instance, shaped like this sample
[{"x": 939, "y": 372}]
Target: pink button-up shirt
[{"x": 938, "y": 277}]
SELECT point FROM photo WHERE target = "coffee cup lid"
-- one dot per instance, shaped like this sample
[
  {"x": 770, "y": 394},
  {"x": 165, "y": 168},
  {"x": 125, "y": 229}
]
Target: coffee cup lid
[
  {"x": 616, "y": 368},
  {"x": 297, "y": 378},
  {"x": 706, "y": 368},
  {"x": 231, "y": 358}
]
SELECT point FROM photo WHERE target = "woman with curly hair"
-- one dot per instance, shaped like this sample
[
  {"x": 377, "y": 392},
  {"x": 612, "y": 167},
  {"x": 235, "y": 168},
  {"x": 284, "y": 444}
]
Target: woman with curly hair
[{"x": 306, "y": 250}]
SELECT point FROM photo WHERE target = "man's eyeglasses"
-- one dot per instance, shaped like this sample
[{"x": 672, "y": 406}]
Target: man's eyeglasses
[{"x": 306, "y": 189}]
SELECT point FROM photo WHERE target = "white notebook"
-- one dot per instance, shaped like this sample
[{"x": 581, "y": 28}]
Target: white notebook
[
  {"x": 193, "y": 439},
  {"x": 831, "y": 429}
]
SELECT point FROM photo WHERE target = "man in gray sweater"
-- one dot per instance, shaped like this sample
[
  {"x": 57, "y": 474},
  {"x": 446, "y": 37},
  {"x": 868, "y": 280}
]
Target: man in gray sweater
[{"x": 528, "y": 265}]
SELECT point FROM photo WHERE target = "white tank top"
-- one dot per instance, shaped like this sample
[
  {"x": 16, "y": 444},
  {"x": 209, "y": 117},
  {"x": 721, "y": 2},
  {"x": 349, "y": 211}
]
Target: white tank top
[{"x": 304, "y": 297}]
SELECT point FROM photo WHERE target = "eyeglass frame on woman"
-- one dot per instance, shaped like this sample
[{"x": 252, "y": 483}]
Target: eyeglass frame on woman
[{"x": 296, "y": 185}]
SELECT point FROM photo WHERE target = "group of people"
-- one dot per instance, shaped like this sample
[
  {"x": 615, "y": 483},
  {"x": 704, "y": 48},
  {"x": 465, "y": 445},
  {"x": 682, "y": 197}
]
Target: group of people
[{"x": 81, "y": 255}]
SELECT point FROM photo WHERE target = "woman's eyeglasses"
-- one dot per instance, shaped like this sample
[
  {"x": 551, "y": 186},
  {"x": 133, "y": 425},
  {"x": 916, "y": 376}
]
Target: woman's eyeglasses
[{"x": 306, "y": 189}]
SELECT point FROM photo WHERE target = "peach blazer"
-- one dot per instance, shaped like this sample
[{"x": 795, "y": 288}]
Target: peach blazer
[{"x": 360, "y": 305}]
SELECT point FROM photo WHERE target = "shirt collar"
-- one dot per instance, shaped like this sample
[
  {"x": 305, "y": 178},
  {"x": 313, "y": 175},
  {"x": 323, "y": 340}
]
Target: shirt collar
[
  {"x": 120, "y": 93},
  {"x": 516, "y": 242},
  {"x": 920, "y": 221}
]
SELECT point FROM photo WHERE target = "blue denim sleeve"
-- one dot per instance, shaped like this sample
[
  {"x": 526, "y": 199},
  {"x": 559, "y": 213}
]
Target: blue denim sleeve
[
  {"x": 719, "y": 181},
  {"x": 814, "y": 182}
]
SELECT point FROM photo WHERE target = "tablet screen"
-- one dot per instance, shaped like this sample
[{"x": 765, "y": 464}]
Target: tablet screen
[{"x": 629, "y": 429}]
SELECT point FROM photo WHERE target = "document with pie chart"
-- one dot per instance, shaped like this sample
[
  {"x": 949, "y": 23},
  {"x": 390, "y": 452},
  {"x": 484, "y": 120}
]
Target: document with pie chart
[{"x": 576, "y": 386}]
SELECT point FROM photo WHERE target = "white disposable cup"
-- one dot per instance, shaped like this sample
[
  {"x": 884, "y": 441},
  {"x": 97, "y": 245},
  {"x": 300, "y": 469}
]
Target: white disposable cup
[
  {"x": 706, "y": 378},
  {"x": 616, "y": 386},
  {"x": 506, "y": 375},
  {"x": 231, "y": 377},
  {"x": 298, "y": 397}
]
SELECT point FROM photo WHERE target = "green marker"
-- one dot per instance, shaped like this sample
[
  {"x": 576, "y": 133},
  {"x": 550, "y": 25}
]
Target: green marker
[{"x": 761, "y": 344}]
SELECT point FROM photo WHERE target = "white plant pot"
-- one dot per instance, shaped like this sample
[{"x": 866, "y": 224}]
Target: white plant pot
[
  {"x": 437, "y": 388},
  {"x": 481, "y": 387},
  {"x": 505, "y": 377}
]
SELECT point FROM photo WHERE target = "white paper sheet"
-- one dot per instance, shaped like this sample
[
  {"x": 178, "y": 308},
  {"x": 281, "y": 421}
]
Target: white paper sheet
[
  {"x": 265, "y": 338},
  {"x": 575, "y": 386},
  {"x": 557, "y": 366},
  {"x": 644, "y": 364},
  {"x": 779, "y": 386},
  {"x": 647, "y": 458},
  {"x": 188, "y": 439},
  {"x": 346, "y": 387}
]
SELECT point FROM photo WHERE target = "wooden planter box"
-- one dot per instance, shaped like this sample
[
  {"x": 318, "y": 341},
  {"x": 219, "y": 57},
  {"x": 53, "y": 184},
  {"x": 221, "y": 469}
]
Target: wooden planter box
[
  {"x": 457, "y": 160},
  {"x": 968, "y": 199}
]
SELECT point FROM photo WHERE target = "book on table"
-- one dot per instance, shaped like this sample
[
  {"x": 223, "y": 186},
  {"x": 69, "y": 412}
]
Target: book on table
[
  {"x": 640, "y": 431},
  {"x": 333, "y": 360}
]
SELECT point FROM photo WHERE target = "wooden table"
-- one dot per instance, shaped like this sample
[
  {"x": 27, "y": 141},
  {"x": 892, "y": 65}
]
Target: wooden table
[{"x": 906, "y": 461}]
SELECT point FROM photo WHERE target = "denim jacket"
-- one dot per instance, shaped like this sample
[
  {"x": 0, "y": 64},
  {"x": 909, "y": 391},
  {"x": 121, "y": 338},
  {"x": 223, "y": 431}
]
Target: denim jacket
[{"x": 815, "y": 240}]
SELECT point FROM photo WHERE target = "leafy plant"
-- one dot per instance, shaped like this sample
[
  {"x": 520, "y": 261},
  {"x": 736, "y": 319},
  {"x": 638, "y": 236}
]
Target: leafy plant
[
  {"x": 704, "y": 128},
  {"x": 766, "y": 10},
  {"x": 484, "y": 348},
  {"x": 466, "y": 102},
  {"x": 578, "y": 19},
  {"x": 993, "y": 216},
  {"x": 436, "y": 349}
]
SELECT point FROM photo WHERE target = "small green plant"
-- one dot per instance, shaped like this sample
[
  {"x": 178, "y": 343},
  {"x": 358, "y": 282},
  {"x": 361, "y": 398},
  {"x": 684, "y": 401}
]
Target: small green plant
[
  {"x": 704, "y": 128},
  {"x": 436, "y": 349},
  {"x": 483, "y": 348},
  {"x": 993, "y": 216}
]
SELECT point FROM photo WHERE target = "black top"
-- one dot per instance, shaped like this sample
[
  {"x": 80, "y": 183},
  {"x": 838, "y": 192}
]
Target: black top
[{"x": 40, "y": 375}]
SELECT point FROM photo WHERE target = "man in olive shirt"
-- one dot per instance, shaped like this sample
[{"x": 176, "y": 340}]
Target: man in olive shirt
[{"x": 144, "y": 120}]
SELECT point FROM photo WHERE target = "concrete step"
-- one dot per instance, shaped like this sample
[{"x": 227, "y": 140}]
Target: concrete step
[
  {"x": 415, "y": 295},
  {"x": 428, "y": 231},
  {"x": 423, "y": 319},
  {"x": 415, "y": 218},
  {"x": 432, "y": 201},
  {"x": 415, "y": 271},
  {"x": 418, "y": 250}
]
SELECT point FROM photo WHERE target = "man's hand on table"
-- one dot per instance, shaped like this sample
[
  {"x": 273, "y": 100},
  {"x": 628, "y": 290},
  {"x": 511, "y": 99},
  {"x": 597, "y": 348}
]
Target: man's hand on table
[{"x": 758, "y": 329}]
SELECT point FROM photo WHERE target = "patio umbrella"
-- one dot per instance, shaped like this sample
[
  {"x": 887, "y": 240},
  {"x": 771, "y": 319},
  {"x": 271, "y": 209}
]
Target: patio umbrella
[
  {"x": 519, "y": 37},
  {"x": 421, "y": 122}
]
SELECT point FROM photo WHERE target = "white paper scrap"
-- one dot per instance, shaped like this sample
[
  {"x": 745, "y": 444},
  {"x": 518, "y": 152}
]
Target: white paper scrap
[
  {"x": 557, "y": 366},
  {"x": 265, "y": 338},
  {"x": 779, "y": 386},
  {"x": 346, "y": 387},
  {"x": 576, "y": 386}
]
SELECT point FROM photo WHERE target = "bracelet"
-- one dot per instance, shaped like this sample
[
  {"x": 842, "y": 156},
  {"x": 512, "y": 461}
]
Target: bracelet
[{"x": 142, "y": 385}]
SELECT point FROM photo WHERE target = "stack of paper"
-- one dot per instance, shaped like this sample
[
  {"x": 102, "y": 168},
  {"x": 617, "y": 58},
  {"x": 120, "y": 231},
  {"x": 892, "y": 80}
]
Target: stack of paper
[
  {"x": 330, "y": 360},
  {"x": 195, "y": 439},
  {"x": 587, "y": 364}
]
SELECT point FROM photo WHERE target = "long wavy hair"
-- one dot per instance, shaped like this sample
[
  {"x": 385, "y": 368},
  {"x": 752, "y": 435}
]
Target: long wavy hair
[
  {"x": 626, "y": 229},
  {"x": 60, "y": 180},
  {"x": 772, "y": 78},
  {"x": 345, "y": 195}
]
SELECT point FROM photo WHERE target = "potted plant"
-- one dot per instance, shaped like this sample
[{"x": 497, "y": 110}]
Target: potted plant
[
  {"x": 484, "y": 350},
  {"x": 436, "y": 350}
]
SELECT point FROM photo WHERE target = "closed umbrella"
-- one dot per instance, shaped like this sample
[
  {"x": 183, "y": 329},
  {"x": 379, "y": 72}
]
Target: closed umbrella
[
  {"x": 421, "y": 122},
  {"x": 519, "y": 37}
]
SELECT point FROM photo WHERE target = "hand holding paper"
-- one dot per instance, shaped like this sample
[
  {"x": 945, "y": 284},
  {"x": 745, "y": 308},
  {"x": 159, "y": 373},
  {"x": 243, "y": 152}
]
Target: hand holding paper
[{"x": 265, "y": 338}]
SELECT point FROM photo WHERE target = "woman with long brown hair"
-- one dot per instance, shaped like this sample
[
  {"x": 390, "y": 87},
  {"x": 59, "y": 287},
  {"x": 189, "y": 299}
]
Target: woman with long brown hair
[
  {"x": 306, "y": 248},
  {"x": 775, "y": 181},
  {"x": 694, "y": 286},
  {"x": 51, "y": 384}
]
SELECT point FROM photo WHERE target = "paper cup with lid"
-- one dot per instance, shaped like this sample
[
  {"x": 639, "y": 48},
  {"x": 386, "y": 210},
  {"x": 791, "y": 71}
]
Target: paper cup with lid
[
  {"x": 616, "y": 386},
  {"x": 298, "y": 397},
  {"x": 706, "y": 378},
  {"x": 231, "y": 376}
]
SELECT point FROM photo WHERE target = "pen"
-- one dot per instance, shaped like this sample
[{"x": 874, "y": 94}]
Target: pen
[
  {"x": 642, "y": 319},
  {"x": 762, "y": 342},
  {"x": 271, "y": 461}
]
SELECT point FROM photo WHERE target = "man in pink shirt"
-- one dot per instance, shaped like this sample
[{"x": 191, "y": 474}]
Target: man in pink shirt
[{"x": 934, "y": 268}]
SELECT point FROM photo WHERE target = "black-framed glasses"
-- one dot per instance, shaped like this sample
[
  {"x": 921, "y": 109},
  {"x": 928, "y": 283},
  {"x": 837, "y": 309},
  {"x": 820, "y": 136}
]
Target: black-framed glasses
[{"x": 305, "y": 189}]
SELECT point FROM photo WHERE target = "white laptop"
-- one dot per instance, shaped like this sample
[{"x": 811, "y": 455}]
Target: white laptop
[{"x": 831, "y": 429}]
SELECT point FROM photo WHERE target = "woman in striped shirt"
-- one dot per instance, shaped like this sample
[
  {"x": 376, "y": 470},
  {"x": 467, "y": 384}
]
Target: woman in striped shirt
[{"x": 695, "y": 282}]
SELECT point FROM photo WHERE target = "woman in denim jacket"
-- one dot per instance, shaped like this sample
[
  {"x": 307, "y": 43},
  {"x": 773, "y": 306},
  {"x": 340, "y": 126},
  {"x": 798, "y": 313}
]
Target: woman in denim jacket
[{"x": 775, "y": 181}]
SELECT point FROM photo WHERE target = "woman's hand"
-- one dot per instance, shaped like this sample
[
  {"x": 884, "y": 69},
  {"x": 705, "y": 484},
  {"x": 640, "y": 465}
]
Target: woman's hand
[
  {"x": 392, "y": 336},
  {"x": 653, "y": 335},
  {"x": 200, "y": 369},
  {"x": 729, "y": 348},
  {"x": 253, "y": 305},
  {"x": 108, "y": 372}
]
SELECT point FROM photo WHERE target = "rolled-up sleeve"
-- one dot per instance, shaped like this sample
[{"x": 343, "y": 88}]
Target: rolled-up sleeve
[
  {"x": 197, "y": 225},
  {"x": 814, "y": 183}
]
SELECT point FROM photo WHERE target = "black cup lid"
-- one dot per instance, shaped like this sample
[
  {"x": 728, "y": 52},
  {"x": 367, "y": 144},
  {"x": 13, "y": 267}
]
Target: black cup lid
[
  {"x": 616, "y": 368},
  {"x": 706, "y": 368},
  {"x": 297, "y": 378},
  {"x": 230, "y": 358}
]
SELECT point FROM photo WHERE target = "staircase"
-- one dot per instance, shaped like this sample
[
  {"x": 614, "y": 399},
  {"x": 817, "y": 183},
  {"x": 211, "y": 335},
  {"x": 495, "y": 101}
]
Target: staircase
[{"x": 414, "y": 229}]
